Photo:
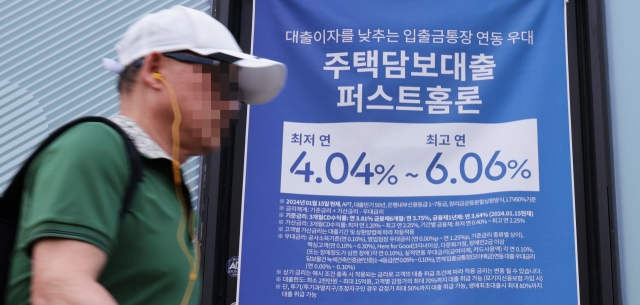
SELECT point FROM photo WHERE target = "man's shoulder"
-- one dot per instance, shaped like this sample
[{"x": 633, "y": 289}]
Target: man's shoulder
[
  {"x": 93, "y": 136},
  {"x": 83, "y": 147},
  {"x": 89, "y": 139}
]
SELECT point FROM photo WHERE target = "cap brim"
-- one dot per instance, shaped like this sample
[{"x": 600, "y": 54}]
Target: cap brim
[{"x": 259, "y": 79}]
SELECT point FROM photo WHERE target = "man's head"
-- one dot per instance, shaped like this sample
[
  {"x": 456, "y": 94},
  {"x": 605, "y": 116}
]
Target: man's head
[
  {"x": 206, "y": 95},
  {"x": 187, "y": 53}
]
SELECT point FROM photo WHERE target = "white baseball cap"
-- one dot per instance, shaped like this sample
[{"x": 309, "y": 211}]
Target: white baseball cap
[{"x": 180, "y": 29}]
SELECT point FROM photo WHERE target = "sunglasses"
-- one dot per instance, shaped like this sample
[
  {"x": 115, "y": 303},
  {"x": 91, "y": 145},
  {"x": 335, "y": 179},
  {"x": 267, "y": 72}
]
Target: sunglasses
[
  {"x": 212, "y": 60},
  {"x": 215, "y": 60}
]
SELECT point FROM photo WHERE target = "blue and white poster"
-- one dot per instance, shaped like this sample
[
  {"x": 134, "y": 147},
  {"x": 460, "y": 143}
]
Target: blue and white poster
[{"x": 420, "y": 153}]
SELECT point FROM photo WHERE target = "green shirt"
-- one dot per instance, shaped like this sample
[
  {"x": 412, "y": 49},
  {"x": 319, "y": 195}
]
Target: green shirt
[{"x": 74, "y": 190}]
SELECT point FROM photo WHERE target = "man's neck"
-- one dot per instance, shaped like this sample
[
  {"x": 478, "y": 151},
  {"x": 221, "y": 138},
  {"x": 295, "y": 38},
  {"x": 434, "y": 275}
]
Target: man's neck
[{"x": 156, "y": 125}]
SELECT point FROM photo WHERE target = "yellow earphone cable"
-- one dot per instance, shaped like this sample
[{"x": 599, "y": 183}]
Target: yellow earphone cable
[{"x": 177, "y": 179}]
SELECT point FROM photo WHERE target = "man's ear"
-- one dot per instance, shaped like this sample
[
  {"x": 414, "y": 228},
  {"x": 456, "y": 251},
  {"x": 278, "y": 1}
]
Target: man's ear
[{"x": 152, "y": 64}]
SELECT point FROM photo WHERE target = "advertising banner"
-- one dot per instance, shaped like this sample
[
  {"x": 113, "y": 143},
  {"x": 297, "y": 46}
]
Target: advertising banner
[{"x": 420, "y": 153}]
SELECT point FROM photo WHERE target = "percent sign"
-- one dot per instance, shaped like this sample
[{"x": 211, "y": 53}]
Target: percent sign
[
  {"x": 393, "y": 179},
  {"x": 525, "y": 173}
]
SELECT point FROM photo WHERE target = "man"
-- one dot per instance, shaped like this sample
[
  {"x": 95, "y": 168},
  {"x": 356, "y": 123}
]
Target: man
[{"x": 181, "y": 76}]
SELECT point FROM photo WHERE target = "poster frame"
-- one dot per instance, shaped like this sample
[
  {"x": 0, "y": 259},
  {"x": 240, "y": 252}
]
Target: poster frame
[{"x": 222, "y": 173}]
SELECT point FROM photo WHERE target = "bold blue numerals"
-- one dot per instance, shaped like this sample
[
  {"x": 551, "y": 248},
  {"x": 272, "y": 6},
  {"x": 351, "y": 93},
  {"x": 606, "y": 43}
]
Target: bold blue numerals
[
  {"x": 307, "y": 172},
  {"x": 345, "y": 170},
  {"x": 463, "y": 173},
  {"x": 492, "y": 162},
  {"x": 434, "y": 164},
  {"x": 367, "y": 174},
  {"x": 436, "y": 173}
]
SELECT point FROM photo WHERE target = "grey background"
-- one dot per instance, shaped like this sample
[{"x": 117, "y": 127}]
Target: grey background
[
  {"x": 623, "y": 43},
  {"x": 51, "y": 69}
]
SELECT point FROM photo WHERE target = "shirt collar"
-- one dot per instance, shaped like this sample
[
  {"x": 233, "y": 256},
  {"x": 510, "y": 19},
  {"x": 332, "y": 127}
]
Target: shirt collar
[{"x": 143, "y": 142}]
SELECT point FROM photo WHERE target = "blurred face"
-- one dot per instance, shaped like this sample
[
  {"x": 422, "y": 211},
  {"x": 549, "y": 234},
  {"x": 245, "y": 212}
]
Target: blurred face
[{"x": 208, "y": 100}]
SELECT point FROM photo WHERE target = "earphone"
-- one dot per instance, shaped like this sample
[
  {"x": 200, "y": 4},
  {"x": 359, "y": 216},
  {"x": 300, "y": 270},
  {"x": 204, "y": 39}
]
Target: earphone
[{"x": 177, "y": 180}]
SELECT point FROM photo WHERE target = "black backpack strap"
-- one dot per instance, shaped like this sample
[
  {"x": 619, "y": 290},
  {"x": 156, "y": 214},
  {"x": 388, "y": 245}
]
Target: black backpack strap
[
  {"x": 10, "y": 202},
  {"x": 135, "y": 162}
]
